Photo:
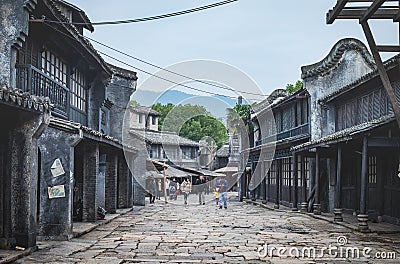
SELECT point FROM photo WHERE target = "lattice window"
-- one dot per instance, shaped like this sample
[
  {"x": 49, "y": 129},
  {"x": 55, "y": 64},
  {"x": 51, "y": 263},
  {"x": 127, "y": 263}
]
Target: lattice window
[
  {"x": 78, "y": 91},
  {"x": 286, "y": 171},
  {"x": 272, "y": 173},
  {"x": 362, "y": 109},
  {"x": 54, "y": 67},
  {"x": 372, "y": 177}
]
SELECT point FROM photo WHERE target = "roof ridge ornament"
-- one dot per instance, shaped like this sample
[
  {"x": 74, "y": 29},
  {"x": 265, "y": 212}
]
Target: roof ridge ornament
[{"x": 334, "y": 57}]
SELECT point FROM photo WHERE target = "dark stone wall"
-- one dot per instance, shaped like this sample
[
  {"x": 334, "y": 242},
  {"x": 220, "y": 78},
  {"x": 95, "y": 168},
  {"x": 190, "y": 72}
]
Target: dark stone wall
[
  {"x": 96, "y": 97},
  {"x": 90, "y": 175},
  {"x": 119, "y": 92},
  {"x": 13, "y": 29},
  {"x": 55, "y": 220},
  {"x": 20, "y": 183},
  {"x": 123, "y": 183},
  {"x": 111, "y": 182}
]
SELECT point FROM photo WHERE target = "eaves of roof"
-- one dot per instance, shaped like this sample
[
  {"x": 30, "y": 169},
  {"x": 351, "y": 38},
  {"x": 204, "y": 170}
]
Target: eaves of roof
[
  {"x": 77, "y": 128},
  {"x": 79, "y": 37},
  {"x": 345, "y": 134},
  {"x": 16, "y": 97}
]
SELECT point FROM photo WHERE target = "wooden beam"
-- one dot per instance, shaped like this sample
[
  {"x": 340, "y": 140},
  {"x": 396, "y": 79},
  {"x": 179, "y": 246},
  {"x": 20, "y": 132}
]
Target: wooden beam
[
  {"x": 295, "y": 180},
  {"x": 368, "y": 1},
  {"x": 384, "y": 142},
  {"x": 371, "y": 10},
  {"x": 397, "y": 17},
  {"x": 332, "y": 14},
  {"x": 387, "y": 48},
  {"x": 357, "y": 13},
  {"x": 382, "y": 71}
]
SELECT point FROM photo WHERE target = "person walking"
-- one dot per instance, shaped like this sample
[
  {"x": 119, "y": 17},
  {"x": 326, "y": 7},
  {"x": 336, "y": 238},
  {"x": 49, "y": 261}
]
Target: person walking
[
  {"x": 151, "y": 190},
  {"x": 200, "y": 188},
  {"x": 167, "y": 186},
  {"x": 222, "y": 186},
  {"x": 159, "y": 189},
  {"x": 185, "y": 188}
]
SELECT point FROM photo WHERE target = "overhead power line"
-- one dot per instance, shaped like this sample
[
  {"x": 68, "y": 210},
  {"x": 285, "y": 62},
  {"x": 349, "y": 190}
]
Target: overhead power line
[
  {"x": 151, "y": 74},
  {"x": 169, "y": 71},
  {"x": 184, "y": 12}
]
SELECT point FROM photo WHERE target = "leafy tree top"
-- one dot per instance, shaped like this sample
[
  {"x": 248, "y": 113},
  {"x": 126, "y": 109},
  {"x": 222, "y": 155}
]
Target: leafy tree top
[
  {"x": 196, "y": 122},
  {"x": 294, "y": 88}
]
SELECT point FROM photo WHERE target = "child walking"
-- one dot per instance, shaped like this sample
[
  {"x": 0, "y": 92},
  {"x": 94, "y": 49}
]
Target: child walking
[{"x": 216, "y": 196}]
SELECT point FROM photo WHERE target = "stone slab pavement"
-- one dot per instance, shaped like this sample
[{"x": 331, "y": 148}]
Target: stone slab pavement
[{"x": 243, "y": 233}]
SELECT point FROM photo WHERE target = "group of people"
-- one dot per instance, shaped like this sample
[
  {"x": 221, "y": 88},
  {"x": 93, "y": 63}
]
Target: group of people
[{"x": 201, "y": 187}]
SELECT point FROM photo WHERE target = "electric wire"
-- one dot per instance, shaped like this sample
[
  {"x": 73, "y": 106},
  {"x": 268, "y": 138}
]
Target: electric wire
[
  {"x": 183, "y": 12},
  {"x": 169, "y": 71},
  {"x": 159, "y": 77}
]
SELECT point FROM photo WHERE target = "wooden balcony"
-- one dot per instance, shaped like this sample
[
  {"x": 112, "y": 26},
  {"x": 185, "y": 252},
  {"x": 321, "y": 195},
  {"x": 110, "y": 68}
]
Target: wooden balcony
[
  {"x": 293, "y": 132},
  {"x": 32, "y": 80}
]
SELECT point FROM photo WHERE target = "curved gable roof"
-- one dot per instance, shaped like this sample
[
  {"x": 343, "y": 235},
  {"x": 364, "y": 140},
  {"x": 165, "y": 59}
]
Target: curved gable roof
[{"x": 332, "y": 60}]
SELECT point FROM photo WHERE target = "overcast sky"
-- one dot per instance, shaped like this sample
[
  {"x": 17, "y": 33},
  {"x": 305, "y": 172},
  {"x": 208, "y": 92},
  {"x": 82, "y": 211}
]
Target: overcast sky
[{"x": 268, "y": 40}]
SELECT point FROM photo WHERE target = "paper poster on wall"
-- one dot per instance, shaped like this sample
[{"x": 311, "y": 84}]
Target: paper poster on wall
[
  {"x": 56, "y": 191},
  {"x": 57, "y": 168}
]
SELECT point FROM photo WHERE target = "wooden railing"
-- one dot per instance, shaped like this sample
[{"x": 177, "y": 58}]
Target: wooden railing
[
  {"x": 296, "y": 131},
  {"x": 32, "y": 80}
]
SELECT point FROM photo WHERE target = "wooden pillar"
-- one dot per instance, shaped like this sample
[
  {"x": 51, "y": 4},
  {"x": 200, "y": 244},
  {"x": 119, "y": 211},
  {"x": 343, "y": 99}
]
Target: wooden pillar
[
  {"x": 304, "y": 180},
  {"x": 363, "y": 217},
  {"x": 338, "y": 191},
  {"x": 317, "y": 205},
  {"x": 295, "y": 181},
  {"x": 278, "y": 183},
  {"x": 264, "y": 182}
]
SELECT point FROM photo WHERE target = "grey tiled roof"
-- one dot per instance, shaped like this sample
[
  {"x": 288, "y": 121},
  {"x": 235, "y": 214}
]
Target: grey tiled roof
[
  {"x": 345, "y": 134},
  {"x": 123, "y": 72},
  {"x": 74, "y": 127},
  {"x": 25, "y": 100},
  {"x": 86, "y": 44},
  {"x": 83, "y": 15},
  {"x": 273, "y": 99},
  {"x": 223, "y": 151},
  {"x": 144, "y": 110},
  {"x": 158, "y": 137}
]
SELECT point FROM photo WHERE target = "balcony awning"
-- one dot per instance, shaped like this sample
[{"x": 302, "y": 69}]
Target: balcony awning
[
  {"x": 86, "y": 132},
  {"x": 17, "y": 98},
  {"x": 227, "y": 170}
]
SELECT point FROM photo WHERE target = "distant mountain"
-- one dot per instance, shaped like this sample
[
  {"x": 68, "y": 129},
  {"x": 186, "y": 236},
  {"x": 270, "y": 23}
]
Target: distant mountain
[{"x": 215, "y": 104}]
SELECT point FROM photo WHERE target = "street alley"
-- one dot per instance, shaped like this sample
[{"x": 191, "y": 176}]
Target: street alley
[{"x": 162, "y": 233}]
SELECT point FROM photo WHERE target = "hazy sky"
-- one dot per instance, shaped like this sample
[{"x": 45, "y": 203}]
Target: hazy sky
[{"x": 268, "y": 40}]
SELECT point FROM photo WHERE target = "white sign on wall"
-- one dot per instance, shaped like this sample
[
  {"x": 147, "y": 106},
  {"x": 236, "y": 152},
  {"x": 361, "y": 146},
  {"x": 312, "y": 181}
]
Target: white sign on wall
[{"x": 57, "y": 168}]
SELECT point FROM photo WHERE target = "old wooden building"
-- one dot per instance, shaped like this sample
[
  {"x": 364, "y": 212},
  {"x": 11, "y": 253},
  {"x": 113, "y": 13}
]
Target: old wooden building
[
  {"x": 335, "y": 143},
  {"x": 162, "y": 146},
  {"x": 280, "y": 121},
  {"x": 78, "y": 162},
  {"x": 354, "y": 139}
]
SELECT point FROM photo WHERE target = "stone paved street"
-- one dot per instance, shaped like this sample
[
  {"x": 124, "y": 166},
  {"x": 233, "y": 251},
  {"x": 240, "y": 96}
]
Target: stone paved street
[{"x": 205, "y": 234}]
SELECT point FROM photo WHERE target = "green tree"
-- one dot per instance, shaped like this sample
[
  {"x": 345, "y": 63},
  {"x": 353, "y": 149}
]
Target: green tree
[
  {"x": 196, "y": 122},
  {"x": 294, "y": 88},
  {"x": 134, "y": 103},
  {"x": 163, "y": 110},
  {"x": 238, "y": 114}
]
